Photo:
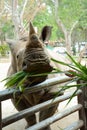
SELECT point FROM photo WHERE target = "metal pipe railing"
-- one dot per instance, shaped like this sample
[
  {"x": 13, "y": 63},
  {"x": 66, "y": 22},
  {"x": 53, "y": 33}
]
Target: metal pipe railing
[
  {"x": 36, "y": 108},
  {"x": 7, "y": 94},
  {"x": 55, "y": 117}
]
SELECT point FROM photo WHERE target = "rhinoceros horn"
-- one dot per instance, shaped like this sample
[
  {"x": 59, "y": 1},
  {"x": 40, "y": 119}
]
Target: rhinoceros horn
[{"x": 32, "y": 30}]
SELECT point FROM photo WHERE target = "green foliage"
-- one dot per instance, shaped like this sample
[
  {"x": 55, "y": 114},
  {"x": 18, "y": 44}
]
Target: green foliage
[
  {"x": 69, "y": 11},
  {"x": 7, "y": 29},
  {"x": 45, "y": 18},
  {"x": 77, "y": 71},
  {"x": 16, "y": 79},
  {"x": 4, "y": 49},
  {"x": 19, "y": 79},
  {"x": 83, "y": 20}
]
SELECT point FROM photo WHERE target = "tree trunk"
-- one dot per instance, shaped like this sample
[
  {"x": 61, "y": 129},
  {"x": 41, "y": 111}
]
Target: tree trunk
[
  {"x": 68, "y": 42},
  {"x": 18, "y": 20},
  {"x": 67, "y": 34}
]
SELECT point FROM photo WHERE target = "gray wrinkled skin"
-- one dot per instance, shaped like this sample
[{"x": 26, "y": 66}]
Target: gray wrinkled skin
[{"x": 27, "y": 55}]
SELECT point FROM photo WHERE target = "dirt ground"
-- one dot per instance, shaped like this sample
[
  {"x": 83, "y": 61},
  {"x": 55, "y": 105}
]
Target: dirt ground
[{"x": 8, "y": 108}]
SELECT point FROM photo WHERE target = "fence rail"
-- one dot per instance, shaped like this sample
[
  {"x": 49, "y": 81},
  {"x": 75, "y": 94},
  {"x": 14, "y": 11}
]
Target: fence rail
[
  {"x": 81, "y": 124},
  {"x": 76, "y": 125},
  {"x": 55, "y": 117},
  {"x": 7, "y": 94}
]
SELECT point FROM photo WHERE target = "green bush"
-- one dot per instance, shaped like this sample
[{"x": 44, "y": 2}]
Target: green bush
[{"x": 4, "y": 49}]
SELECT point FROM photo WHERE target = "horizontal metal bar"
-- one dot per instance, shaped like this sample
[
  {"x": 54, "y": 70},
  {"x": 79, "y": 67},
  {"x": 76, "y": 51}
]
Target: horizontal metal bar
[
  {"x": 36, "y": 108},
  {"x": 6, "y": 94},
  {"x": 75, "y": 125},
  {"x": 55, "y": 117}
]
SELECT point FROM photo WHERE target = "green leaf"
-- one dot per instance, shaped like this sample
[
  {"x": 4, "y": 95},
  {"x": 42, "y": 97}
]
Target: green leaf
[
  {"x": 73, "y": 95},
  {"x": 65, "y": 64}
]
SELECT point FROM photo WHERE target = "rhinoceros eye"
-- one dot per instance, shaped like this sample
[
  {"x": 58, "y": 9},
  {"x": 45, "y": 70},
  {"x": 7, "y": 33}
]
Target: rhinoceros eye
[{"x": 17, "y": 56}]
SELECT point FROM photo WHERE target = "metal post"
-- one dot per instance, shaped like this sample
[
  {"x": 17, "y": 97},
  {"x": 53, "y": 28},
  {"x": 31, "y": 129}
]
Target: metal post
[
  {"x": 82, "y": 99},
  {"x": 0, "y": 117},
  {"x": 84, "y": 91}
]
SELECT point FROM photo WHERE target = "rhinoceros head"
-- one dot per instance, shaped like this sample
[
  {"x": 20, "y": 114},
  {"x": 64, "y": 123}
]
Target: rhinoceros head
[{"x": 30, "y": 55}]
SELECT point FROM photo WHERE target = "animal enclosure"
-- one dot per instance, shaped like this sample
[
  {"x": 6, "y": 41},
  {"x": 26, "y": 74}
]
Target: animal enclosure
[{"x": 80, "y": 107}]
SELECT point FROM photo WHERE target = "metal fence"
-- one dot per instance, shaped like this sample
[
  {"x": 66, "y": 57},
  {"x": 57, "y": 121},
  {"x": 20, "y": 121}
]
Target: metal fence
[{"x": 81, "y": 107}]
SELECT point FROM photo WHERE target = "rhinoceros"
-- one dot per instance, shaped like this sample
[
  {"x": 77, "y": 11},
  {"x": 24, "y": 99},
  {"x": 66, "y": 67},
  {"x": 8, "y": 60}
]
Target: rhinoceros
[{"x": 30, "y": 55}]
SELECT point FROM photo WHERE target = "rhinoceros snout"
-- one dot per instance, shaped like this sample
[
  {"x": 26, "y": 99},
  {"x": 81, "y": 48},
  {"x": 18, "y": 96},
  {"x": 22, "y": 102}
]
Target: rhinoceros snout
[
  {"x": 37, "y": 68},
  {"x": 36, "y": 61}
]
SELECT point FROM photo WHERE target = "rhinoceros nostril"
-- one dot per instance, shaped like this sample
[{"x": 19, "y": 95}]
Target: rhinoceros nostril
[{"x": 24, "y": 66}]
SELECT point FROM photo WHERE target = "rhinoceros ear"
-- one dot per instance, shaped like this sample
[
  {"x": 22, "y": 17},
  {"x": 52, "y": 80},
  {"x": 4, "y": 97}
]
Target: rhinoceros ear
[
  {"x": 46, "y": 33},
  {"x": 32, "y": 30}
]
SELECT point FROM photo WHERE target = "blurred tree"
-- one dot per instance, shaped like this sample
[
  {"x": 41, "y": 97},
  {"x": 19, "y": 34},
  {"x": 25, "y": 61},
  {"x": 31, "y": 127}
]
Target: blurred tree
[{"x": 68, "y": 15}]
